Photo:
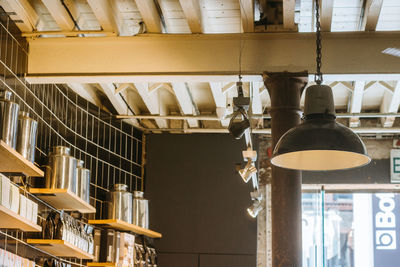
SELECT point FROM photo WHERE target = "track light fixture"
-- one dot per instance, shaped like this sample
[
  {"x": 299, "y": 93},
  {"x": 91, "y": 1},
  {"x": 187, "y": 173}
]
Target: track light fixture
[
  {"x": 248, "y": 171},
  {"x": 255, "y": 208},
  {"x": 319, "y": 143},
  {"x": 240, "y": 106}
]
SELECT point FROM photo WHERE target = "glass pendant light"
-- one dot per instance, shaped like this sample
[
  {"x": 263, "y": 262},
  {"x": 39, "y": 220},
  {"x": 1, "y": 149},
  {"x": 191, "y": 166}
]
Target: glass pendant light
[{"x": 319, "y": 143}]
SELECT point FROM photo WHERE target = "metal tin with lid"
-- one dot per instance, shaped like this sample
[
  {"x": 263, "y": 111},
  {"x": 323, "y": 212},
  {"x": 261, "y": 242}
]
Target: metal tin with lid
[
  {"x": 26, "y": 137},
  {"x": 8, "y": 119},
  {"x": 119, "y": 203}
]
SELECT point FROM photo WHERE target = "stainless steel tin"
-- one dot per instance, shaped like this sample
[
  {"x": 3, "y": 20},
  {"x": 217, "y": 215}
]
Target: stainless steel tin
[
  {"x": 61, "y": 171},
  {"x": 140, "y": 210},
  {"x": 83, "y": 182},
  {"x": 26, "y": 137},
  {"x": 119, "y": 204},
  {"x": 8, "y": 119}
]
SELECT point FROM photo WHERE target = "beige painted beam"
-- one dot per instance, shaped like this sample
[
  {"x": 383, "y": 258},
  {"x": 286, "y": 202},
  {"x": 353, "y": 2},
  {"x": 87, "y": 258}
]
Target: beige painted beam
[
  {"x": 105, "y": 14},
  {"x": 25, "y": 13},
  {"x": 247, "y": 15},
  {"x": 59, "y": 14},
  {"x": 371, "y": 14},
  {"x": 85, "y": 91},
  {"x": 220, "y": 102},
  {"x": 152, "y": 103},
  {"x": 185, "y": 102},
  {"x": 151, "y": 18},
  {"x": 117, "y": 102},
  {"x": 191, "y": 9},
  {"x": 356, "y": 102},
  {"x": 288, "y": 14},
  {"x": 91, "y": 59},
  {"x": 390, "y": 104},
  {"x": 326, "y": 15}
]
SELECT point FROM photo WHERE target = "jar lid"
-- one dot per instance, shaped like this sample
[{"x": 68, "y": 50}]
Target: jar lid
[
  {"x": 80, "y": 163},
  {"x": 61, "y": 150},
  {"x": 5, "y": 94},
  {"x": 120, "y": 187},
  {"x": 138, "y": 194}
]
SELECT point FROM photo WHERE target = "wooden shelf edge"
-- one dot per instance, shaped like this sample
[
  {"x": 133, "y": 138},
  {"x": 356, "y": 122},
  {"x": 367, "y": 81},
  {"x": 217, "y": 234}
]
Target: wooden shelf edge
[
  {"x": 84, "y": 207},
  {"x": 121, "y": 225},
  {"x": 30, "y": 170},
  {"x": 101, "y": 264},
  {"x": 30, "y": 226},
  {"x": 85, "y": 254}
]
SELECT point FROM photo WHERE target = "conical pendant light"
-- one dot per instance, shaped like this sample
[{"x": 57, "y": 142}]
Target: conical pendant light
[{"x": 319, "y": 143}]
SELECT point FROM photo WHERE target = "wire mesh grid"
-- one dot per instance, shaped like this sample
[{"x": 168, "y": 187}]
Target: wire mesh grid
[{"x": 110, "y": 148}]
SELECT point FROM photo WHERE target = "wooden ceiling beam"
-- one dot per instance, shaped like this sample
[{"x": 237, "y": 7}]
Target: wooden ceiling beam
[
  {"x": 59, "y": 14},
  {"x": 191, "y": 9},
  {"x": 326, "y": 15},
  {"x": 118, "y": 103},
  {"x": 28, "y": 18},
  {"x": 356, "y": 102},
  {"x": 105, "y": 14},
  {"x": 372, "y": 12},
  {"x": 288, "y": 14},
  {"x": 152, "y": 103},
  {"x": 188, "y": 56},
  {"x": 247, "y": 15},
  {"x": 184, "y": 99},
  {"x": 220, "y": 101},
  {"x": 390, "y": 104},
  {"x": 151, "y": 18}
]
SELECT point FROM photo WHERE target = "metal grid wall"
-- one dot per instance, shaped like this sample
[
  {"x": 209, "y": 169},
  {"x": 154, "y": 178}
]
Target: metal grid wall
[{"x": 110, "y": 148}]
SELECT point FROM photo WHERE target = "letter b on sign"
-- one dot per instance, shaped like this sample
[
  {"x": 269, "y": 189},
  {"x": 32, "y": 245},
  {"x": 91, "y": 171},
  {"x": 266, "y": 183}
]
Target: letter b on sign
[{"x": 385, "y": 239}]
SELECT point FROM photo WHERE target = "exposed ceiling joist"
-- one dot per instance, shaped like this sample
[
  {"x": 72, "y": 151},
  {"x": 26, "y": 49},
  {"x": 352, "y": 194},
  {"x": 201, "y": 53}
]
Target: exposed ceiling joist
[
  {"x": 390, "y": 104},
  {"x": 326, "y": 15},
  {"x": 371, "y": 14},
  {"x": 105, "y": 57},
  {"x": 59, "y": 14},
  {"x": 256, "y": 104},
  {"x": 288, "y": 14},
  {"x": 122, "y": 87},
  {"x": 356, "y": 102},
  {"x": 85, "y": 91},
  {"x": 152, "y": 103},
  {"x": 117, "y": 101},
  {"x": 191, "y": 9},
  {"x": 26, "y": 14},
  {"x": 247, "y": 15},
  {"x": 185, "y": 102},
  {"x": 150, "y": 15},
  {"x": 220, "y": 101},
  {"x": 105, "y": 14}
]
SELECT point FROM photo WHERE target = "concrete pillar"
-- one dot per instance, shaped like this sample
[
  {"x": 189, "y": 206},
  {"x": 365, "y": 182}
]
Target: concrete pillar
[{"x": 285, "y": 91}]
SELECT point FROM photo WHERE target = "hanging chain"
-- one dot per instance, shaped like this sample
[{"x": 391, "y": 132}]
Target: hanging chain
[{"x": 318, "y": 75}]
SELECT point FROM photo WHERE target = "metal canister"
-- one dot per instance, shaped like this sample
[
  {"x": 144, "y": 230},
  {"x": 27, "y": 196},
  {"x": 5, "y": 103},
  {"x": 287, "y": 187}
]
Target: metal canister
[
  {"x": 83, "y": 181},
  {"x": 140, "y": 210},
  {"x": 61, "y": 171},
  {"x": 26, "y": 137},
  {"x": 8, "y": 118},
  {"x": 119, "y": 204}
]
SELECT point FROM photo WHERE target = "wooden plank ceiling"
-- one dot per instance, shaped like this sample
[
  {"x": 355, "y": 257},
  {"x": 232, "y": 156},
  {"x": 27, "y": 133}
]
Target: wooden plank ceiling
[{"x": 205, "y": 106}]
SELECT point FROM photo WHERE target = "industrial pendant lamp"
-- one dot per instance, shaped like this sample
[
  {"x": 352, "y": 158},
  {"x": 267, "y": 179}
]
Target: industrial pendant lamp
[{"x": 319, "y": 143}]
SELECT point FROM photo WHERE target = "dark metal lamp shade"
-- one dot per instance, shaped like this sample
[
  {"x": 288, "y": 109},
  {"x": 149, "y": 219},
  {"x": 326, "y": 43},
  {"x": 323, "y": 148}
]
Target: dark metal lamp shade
[{"x": 320, "y": 143}]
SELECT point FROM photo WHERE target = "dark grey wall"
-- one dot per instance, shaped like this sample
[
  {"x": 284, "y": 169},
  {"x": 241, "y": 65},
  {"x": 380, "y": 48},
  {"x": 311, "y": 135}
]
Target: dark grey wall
[
  {"x": 198, "y": 201},
  {"x": 378, "y": 171}
]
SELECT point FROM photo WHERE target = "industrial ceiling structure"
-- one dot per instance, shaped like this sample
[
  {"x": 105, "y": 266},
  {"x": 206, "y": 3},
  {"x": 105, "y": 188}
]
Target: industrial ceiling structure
[{"x": 172, "y": 65}]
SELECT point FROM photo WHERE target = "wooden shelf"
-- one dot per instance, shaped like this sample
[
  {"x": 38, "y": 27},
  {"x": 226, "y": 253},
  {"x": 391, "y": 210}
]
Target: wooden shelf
[
  {"x": 13, "y": 162},
  {"x": 11, "y": 220},
  {"x": 102, "y": 264},
  {"x": 124, "y": 226},
  {"x": 63, "y": 199},
  {"x": 60, "y": 248}
]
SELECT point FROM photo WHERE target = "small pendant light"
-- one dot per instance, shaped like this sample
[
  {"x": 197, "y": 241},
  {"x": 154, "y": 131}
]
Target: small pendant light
[{"x": 319, "y": 143}]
